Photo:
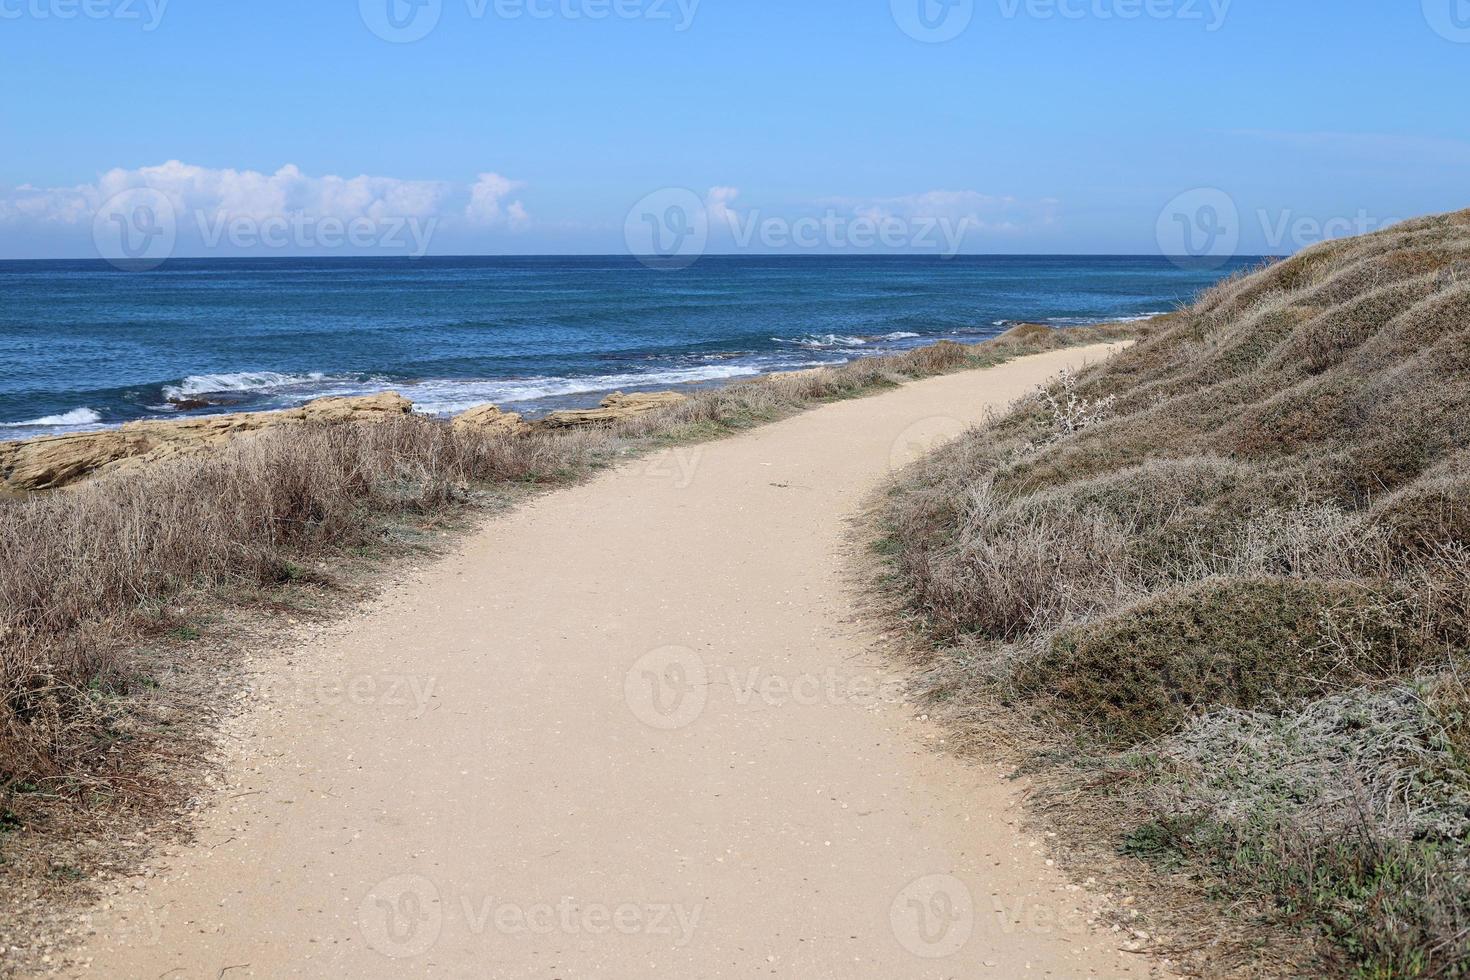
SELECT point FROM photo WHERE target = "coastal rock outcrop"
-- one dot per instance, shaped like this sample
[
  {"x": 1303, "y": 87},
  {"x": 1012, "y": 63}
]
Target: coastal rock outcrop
[
  {"x": 492, "y": 420},
  {"x": 1023, "y": 332},
  {"x": 51, "y": 462},
  {"x": 615, "y": 408}
]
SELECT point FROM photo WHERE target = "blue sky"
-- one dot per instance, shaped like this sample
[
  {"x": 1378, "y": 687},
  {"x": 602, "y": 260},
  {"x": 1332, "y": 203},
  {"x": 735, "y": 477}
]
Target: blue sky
[{"x": 1066, "y": 126}]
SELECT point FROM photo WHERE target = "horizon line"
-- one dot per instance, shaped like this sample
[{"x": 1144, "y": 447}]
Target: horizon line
[{"x": 1203, "y": 260}]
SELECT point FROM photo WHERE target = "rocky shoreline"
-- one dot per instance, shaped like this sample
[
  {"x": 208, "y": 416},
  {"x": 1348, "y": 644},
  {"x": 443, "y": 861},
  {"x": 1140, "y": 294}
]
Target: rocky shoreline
[{"x": 56, "y": 462}]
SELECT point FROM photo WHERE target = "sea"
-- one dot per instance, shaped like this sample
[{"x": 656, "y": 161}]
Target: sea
[{"x": 85, "y": 346}]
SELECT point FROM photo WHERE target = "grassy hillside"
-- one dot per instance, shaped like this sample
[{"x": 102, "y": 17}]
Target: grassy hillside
[{"x": 1226, "y": 577}]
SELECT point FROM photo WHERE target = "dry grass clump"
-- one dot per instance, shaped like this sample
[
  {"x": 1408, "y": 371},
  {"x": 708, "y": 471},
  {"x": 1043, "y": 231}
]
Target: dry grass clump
[{"x": 1259, "y": 543}]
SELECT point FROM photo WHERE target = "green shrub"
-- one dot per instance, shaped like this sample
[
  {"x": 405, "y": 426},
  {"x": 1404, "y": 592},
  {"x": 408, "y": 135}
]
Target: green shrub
[{"x": 1236, "y": 644}]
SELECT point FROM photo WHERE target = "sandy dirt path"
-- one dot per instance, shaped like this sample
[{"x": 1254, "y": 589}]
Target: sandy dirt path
[{"x": 632, "y": 729}]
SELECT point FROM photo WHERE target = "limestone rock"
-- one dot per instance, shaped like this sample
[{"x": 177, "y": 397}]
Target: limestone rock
[
  {"x": 363, "y": 408},
  {"x": 490, "y": 419},
  {"x": 615, "y": 408},
  {"x": 59, "y": 461}
]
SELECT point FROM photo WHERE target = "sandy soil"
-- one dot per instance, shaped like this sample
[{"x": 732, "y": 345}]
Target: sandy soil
[{"x": 633, "y": 729}]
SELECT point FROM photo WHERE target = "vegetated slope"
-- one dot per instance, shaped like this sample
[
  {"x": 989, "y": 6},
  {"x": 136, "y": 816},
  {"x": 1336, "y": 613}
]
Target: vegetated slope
[{"x": 1231, "y": 568}]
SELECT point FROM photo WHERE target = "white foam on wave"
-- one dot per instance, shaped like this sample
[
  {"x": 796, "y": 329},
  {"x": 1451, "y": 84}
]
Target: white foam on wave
[
  {"x": 822, "y": 341},
  {"x": 209, "y": 384},
  {"x": 1089, "y": 321},
  {"x": 77, "y": 416},
  {"x": 450, "y": 397},
  {"x": 899, "y": 335}
]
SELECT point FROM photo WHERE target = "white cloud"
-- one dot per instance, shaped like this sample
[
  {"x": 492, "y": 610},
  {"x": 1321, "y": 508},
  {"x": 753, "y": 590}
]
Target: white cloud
[
  {"x": 251, "y": 194},
  {"x": 486, "y": 207},
  {"x": 717, "y": 204}
]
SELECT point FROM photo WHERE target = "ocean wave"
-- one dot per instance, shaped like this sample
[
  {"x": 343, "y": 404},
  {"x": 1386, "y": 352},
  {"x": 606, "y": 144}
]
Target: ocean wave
[
  {"x": 1089, "y": 321},
  {"x": 77, "y": 416},
  {"x": 1079, "y": 321},
  {"x": 242, "y": 381},
  {"x": 822, "y": 341},
  {"x": 451, "y": 397}
]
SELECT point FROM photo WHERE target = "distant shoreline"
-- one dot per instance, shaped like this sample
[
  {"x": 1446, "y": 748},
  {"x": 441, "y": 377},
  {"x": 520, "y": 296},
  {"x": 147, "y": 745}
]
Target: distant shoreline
[{"x": 197, "y": 405}]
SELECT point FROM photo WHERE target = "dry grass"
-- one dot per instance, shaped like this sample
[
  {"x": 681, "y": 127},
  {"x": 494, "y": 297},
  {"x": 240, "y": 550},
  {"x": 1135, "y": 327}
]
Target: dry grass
[
  {"x": 121, "y": 598},
  {"x": 88, "y": 569},
  {"x": 1222, "y": 591}
]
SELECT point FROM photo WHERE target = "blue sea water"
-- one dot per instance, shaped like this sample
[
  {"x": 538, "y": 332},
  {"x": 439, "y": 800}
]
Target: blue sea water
[{"x": 84, "y": 345}]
